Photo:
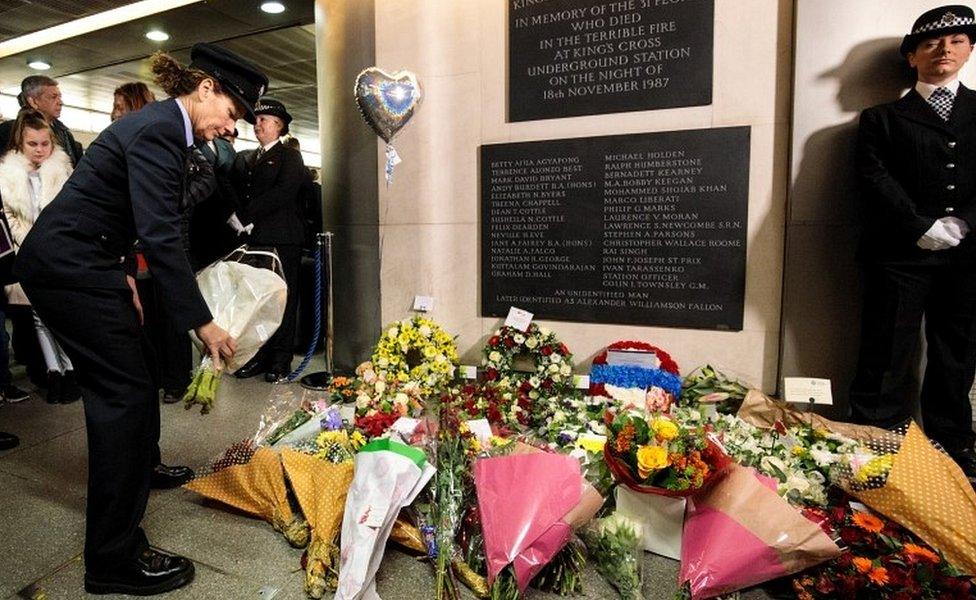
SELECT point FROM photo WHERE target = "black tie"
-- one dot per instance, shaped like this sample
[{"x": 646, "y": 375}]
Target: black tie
[{"x": 941, "y": 102}]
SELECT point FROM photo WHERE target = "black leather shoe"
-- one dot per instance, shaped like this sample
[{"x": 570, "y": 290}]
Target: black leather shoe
[
  {"x": 164, "y": 478},
  {"x": 8, "y": 441},
  {"x": 250, "y": 369},
  {"x": 70, "y": 392},
  {"x": 276, "y": 374},
  {"x": 153, "y": 572}
]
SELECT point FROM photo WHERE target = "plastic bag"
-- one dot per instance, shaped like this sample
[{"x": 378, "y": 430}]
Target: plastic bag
[{"x": 246, "y": 294}]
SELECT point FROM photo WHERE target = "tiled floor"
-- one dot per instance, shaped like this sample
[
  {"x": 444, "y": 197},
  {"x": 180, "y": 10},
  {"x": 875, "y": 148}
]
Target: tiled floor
[{"x": 42, "y": 503}]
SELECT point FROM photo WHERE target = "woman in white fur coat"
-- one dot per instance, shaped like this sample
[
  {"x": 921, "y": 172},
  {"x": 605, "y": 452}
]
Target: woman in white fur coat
[{"x": 32, "y": 173}]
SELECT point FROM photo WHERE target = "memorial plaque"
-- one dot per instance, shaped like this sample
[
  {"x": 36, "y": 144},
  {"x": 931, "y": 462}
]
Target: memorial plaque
[
  {"x": 648, "y": 229},
  {"x": 584, "y": 57}
]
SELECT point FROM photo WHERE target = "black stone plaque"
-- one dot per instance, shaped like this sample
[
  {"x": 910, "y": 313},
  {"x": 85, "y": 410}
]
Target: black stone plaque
[
  {"x": 583, "y": 57},
  {"x": 648, "y": 229}
]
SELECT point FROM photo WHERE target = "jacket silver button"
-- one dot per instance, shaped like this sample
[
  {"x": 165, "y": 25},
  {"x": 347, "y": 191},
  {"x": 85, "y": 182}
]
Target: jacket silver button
[
  {"x": 949, "y": 209},
  {"x": 951, "y": 166},
  {"x": 103, "y": 238},
  {"x": 952, "y": 144},
  {"x": 950, "y": 187}
]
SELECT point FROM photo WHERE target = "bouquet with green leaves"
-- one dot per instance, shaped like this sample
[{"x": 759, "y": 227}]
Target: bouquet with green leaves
[
  {"x": 706, "y": 385},
  {"x": 615, "y": 544},
  {"x": 203, "y": 387}
]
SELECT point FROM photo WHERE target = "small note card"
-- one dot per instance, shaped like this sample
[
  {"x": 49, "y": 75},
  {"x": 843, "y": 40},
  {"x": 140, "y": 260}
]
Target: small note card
[
  {"x": 805, "y": 390},
  {"x": 519, "y": 319}
]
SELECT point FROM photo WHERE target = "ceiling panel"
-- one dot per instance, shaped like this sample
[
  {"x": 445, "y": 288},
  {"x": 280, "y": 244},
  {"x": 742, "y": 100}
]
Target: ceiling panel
[{"x": 19, "y": 17}]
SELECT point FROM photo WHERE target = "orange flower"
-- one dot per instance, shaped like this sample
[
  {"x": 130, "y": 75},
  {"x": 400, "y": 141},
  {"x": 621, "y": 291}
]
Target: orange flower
[
  {"x": 625, "y": 437},
  {"x": 868, "y": 522},
  {"x": 862, "y": 564},
  {"x": 878, "y": 576},
  {"x": 924, "y": 554}
]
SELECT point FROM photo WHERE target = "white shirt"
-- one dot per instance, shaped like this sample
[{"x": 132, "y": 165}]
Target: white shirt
[
  {"x": 34, "y": 178},
  {"x": 270, "y": 144},
  {"x": 925, "y": 89}
]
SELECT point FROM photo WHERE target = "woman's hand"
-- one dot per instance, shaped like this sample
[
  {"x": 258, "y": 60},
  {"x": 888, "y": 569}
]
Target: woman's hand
[
  {"x": 218, "y": 342},
  {"x": 135, "y": 298}
]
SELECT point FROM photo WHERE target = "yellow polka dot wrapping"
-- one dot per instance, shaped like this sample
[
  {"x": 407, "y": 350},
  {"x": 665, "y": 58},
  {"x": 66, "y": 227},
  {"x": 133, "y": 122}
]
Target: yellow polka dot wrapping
[
  {"x": 320, "y": 487},
  {"x": 257, "y": 487},
  {"x": 928, "y": 493}
]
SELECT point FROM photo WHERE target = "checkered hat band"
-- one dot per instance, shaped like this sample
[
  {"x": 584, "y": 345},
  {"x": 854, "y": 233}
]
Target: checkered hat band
[{"x": 944, "y": 23}]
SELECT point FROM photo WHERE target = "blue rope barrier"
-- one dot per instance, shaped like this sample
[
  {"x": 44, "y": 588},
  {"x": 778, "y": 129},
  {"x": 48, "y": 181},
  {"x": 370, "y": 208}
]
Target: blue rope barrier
[{"x": 318, "y": 314}]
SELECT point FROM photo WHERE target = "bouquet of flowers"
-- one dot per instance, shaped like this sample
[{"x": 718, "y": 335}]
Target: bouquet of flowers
[
  {"x": 706, "y": 385},
  {"x": 881, "y": 560},
  {"x": 652, "y": 388},
  {"x": 563, "y": 420},
  {"x": 653, "y": 453},
  {"x": 615, "y": 542},
  {"x": 498, "y": 405},
  {"x": 379, "y": 402}
]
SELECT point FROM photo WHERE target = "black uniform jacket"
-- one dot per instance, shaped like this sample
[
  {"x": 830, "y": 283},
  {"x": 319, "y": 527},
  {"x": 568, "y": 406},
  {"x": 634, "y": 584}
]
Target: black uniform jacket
[
  {"x": 914, "y": 168},
  {"x": 127, "y": 186},
  {"x": 268, "y": 195}
]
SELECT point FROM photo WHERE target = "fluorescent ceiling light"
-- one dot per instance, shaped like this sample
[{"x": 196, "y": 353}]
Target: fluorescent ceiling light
[
  {"x": 39, "y": 65},
  {"x": 108, "y": 18},
  {"x": 157, "y": 35},
  {"x": 273, "y": 7}
]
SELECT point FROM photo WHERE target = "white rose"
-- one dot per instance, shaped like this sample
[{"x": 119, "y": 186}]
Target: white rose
[
  {"x": 494, "y": 356},
  {"x": 401, "y": 399},
  {"x": 362, "y": 400},
  {"x": 565, "y": 370},
  {"x": 392, "y": 333},
  {"x": 531, "y": 343},
  {"x": 556, "y": 358},
  {"x": 424, "y": 331},
  {"x": 519, "y": 338},
  {"x": 544, "y": 331},
  {"x": 554, "y": 368},
  {"x": 380, "y": 387}
]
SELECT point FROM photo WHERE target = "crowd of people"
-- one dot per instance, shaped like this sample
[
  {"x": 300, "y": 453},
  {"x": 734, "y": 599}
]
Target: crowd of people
[
  {"x": 263, "y": 197},
  {"x": 106, "y": 241}
]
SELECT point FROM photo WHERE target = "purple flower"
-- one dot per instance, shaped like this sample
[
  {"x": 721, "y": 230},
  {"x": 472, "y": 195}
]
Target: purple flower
[{"x": 331, "y": 421}]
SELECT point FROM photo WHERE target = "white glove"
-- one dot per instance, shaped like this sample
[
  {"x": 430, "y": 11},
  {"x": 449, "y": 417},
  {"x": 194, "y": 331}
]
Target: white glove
[
  {"x": 937, "y": 237},
  {"x": 956, "y": 227},
  {"x": 236, "y": 225}
]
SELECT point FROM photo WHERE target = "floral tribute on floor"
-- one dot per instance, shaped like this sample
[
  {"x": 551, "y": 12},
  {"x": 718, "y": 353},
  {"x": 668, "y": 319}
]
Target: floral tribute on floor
[{"x": 513, "y": 481}]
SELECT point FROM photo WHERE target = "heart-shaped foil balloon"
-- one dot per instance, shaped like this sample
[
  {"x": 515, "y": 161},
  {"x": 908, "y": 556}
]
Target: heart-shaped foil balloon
[{"x": 386, "y": 101}]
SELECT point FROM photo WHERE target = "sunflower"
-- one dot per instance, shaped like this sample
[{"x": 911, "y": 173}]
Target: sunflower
[
  {"x": 863, "y": 565},
  {"x": 878, "y": 576},
  {"x": 868, "y": 522},
  {"x": 921, "y": 553}
]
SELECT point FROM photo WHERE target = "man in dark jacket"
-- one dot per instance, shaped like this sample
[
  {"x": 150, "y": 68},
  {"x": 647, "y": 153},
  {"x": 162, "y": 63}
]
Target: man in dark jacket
[
  {"x": 916, "y": 162},
  {"x": 268, "y": 182},
  {"x": 128, "y": 186},
  {"x": 40, "y": 92}
]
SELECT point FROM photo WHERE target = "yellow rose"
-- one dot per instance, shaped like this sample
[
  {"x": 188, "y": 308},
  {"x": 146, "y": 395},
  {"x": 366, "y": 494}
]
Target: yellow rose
[
  {"x": 651, "y": 459},
  {"x": 665, "y": 429}
]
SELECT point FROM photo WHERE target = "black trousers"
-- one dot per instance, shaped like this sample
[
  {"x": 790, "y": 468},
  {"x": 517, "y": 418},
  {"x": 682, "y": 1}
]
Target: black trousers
[
  {"x": 279, "y": 349},
  {"x": 99, "y": 330},
  {"x": 896, "y": 298}
]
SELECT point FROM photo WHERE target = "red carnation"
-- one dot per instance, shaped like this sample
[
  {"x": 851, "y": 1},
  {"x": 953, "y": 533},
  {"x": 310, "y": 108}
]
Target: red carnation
[
  {"x": 563, "y": 349},
  {"x": 491, "y": 374},
  {"x": 546, "y": 351},
  {"x": 494, "y": 340},
  {"x": 509, "y": 342}
]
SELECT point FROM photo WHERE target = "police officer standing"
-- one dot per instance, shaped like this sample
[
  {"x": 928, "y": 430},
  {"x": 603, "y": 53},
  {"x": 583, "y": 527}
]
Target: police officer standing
[
  {"x": 916, "y": 165},
  {"x": 268, "y": 181},
  {"x": 128, "y": 186}
]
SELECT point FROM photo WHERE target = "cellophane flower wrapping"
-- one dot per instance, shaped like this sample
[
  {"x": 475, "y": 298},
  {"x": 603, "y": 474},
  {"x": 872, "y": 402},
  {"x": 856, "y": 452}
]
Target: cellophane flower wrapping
[
  {"x": 388, "y": 476},
  {"x": 245, "y": 300},
  {"x": 739, "y": 533},
  {"x": 615, "y": 543},
  {"x": 553, "y": 499}
]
